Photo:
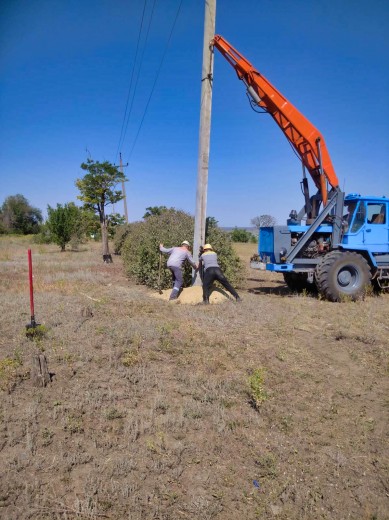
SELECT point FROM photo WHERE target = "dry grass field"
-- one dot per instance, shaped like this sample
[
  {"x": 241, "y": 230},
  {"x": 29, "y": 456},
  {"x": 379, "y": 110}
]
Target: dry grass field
[{"x": 275, "y": 408}]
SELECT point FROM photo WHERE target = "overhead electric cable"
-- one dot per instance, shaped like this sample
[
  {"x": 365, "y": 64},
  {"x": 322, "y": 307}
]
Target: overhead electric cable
[
  {"x": 156, "y": 78},
  {"x": 138, "y": 74},
  {"x": 131, "y": 79}
]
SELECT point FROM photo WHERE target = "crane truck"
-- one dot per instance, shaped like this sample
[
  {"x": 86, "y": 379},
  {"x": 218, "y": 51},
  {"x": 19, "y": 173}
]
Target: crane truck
[{"x": 336, "y": 244}]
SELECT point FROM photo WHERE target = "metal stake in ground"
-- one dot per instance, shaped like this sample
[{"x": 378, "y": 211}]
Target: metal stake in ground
[{"x": 33, "y": 323}]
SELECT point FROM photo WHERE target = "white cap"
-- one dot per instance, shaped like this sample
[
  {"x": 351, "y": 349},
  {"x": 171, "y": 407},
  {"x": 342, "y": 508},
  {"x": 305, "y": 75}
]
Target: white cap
[{"x": 185, "y": 243}]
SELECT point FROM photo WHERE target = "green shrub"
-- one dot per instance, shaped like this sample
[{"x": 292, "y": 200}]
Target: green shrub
[
  {"x": 140, "y": 248},
  {"x": 242, "y": 235},
  {"x": 119, "y": 237},
  {"x": 44, "y": 236},
  {"x": 257, "y": 392}
]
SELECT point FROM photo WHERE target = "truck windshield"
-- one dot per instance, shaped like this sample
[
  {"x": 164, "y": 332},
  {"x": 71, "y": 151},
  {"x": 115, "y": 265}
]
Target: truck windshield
[{"x": 350, "y": 208}]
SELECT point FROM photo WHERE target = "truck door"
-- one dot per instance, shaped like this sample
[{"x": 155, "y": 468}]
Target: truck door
[
  {"x": 368, "y": 226},
  {"x": 376, "y": 229}
]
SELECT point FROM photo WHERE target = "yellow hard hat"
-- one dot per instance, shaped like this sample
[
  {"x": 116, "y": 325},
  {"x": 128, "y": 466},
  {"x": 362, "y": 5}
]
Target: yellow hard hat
[{"x": 207, "y": 246}]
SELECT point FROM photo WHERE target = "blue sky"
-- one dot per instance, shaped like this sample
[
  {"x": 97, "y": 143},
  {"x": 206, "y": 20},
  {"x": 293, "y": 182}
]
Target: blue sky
[{"x": 65, "y": 69}]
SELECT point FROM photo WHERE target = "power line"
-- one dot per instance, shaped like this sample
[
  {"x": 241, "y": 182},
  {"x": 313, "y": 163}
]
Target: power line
[
  {"x": 132, "y": 76},
  {"x": 138, "y": 73},
  {"x": 156, "y": 78}
]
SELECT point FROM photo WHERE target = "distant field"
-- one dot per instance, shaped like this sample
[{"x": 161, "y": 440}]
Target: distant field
[{"x": 273, "y": 408}]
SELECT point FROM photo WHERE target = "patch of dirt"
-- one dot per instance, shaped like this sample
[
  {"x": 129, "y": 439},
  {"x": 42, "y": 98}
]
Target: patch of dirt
[
  {"x": 276, "y": 408},
  {"x": 194, "y": 296}
]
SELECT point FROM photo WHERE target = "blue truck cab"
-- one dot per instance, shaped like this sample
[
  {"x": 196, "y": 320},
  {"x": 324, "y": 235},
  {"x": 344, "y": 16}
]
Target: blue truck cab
[
  {"x": 343, "y": 251},
  {"x": 367, "y": 225}
]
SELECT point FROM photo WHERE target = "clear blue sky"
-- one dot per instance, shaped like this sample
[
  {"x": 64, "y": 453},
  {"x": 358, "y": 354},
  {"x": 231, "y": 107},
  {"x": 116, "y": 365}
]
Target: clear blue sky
[{"x": 65, "y": 74}]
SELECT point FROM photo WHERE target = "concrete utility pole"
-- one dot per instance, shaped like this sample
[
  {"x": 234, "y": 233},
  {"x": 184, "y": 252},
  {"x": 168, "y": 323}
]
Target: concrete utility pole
[
  {"x": 205, "y": 131},
  {"x": 124, "y": 190}
]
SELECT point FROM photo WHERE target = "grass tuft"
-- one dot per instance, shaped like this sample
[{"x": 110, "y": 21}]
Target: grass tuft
[{"x": 257, "y": 392}]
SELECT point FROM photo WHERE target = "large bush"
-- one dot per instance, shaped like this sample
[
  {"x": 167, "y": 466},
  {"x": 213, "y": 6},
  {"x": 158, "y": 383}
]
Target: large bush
[
  {"x": 242, "y": 235},
  {"x": 140, "y": 248},
  {"x": 119, "y": 237},
  {"x": 44, "y": 235}
]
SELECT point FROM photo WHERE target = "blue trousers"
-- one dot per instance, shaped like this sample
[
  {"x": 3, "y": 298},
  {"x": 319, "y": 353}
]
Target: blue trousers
[{"x": 177, "y": 282}]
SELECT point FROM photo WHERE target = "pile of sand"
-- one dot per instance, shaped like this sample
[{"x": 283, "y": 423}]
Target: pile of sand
[{"x": 193, "y": 296}]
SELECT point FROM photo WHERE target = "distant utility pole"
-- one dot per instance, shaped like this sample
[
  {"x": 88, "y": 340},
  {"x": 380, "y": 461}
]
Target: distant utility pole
[
  {"x": 124, "y": 190},
  {"x": 205, "y": 131}
]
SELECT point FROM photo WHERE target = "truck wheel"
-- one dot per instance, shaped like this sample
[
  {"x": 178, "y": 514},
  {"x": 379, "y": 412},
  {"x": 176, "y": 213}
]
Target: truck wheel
[
  {"x": 342, "y": 274},
  {"x": 298, "y": 282}
]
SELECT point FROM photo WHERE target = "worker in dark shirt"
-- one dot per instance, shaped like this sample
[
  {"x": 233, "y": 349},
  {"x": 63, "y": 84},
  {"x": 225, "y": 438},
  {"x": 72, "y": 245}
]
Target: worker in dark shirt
[{"x": 212, "y": 272}]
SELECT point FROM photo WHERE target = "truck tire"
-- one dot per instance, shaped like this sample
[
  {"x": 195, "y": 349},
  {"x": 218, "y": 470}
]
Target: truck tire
[
  {"x": 298, "y": 282},
  {"x": 342, "y": 274}
]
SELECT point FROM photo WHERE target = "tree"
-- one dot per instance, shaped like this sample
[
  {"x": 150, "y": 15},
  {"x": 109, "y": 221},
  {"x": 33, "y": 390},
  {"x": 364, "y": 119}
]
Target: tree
[
  {"x": 114, "y": 220},
  {"x": 90, "y": 223},
  {"x": 63, "y": 223},
  {"x": 210, "y": 223},
  {"x": 263, "y": 221},
  {"x": 151, "y": 211},
  {"x": 18, "y": 216},
  {"x": 3, "y": 229},
  {"x": 97, "y": 189}
]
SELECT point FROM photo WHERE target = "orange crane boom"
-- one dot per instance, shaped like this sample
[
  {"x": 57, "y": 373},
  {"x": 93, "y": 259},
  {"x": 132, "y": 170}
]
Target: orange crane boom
[{"x": 305, "y": 139}]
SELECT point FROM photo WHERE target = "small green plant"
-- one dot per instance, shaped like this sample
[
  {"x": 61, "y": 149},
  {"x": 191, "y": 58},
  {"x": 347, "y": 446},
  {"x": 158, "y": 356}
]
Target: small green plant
[
  {"x": 47, "y": 436},
  {"x": 346, "y": 298},
  {"x": 267, "y": 465},
  {"x": 151, "y": 446},
  {"x": 65, "y": 357},
  {"x": 137, "y": 339},
  {"x": 130, "y": 358},
  {"x": 113, "y": 413},
  {"x": 105, "y": 505},
  {"x": 369, "y": 424},
  {"x": 74, "y": 424},
  {"x": 18, "y": 356},
  {"x": 192, "y": 412},
  {"x": 257, "y": 391},
  {"x": 36, "y": 333},
  {"x": 165, "y": 338},
  {"x": 8, "y": 369},
  {"x": 161, "y": 407},
  {"x": 286, "y": 423}
]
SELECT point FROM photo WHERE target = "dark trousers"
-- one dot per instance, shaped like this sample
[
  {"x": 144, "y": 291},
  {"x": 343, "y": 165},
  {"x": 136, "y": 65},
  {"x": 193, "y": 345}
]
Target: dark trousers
[{"x": 215, "y": 273}]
